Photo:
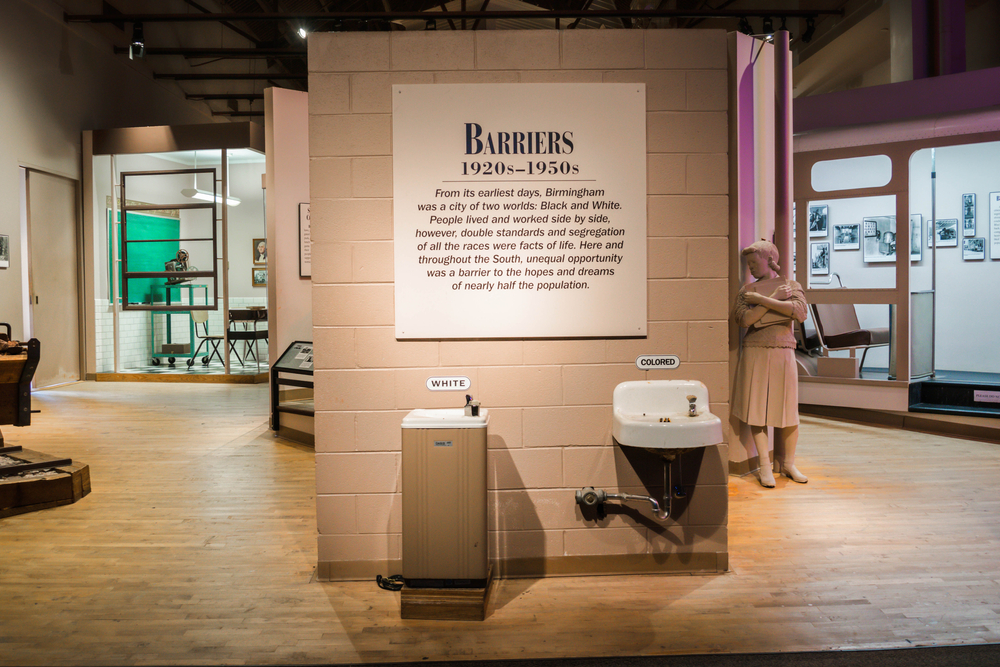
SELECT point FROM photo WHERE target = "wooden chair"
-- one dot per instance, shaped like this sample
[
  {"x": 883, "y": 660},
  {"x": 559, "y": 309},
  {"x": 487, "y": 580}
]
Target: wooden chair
[{"x": 201, "y": 317}]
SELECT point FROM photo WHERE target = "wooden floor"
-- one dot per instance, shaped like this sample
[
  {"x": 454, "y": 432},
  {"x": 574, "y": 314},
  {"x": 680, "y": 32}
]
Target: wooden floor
[{"x": 197, "y": 546}]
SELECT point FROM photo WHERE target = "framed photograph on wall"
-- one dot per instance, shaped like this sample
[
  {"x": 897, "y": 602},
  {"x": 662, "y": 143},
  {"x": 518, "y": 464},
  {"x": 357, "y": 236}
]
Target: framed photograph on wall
[
  {"x": 819, "y": 220},
  {"x": 974, "y": 249},
  {"x": 879, "y": 233},
  {"x": 260, "y": 251},
  {"x": 4, "y": 251},
  {"x": 969, "y": 214},
  {"x": 916, "y": 236},
  {"x": 819, "y": 258},
  {"x": 258, "y": 277},
  {"x": 847, "y": 237},
  {"x": 947, "y": 233}
]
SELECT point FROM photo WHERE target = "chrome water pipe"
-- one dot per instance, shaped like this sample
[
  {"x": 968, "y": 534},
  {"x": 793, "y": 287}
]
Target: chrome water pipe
[{"x": 591, "y": 497}]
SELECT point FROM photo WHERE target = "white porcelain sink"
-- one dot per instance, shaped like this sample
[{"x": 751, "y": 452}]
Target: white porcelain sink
[{"x": 653, "y": 414}]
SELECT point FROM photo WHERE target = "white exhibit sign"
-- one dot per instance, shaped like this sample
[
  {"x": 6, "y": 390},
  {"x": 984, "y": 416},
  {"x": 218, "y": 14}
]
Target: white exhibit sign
[
  {"x": 648, "y": 362},
  {"x": 519, "y": 210},
  {"x": 983, "y": 396},
  {"x": 995, "y": 225},
  {"x": 449, "y": 383}
]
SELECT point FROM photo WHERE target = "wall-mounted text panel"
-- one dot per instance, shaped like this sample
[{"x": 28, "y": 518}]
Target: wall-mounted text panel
[{"x": 519, "y": 210}]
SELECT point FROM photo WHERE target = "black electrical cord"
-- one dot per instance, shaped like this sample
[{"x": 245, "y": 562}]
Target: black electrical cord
[{"x": 393, "y": 583}]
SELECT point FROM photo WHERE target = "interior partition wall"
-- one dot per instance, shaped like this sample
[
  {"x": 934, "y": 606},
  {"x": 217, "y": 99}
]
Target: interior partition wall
[
  {"x": 549, "y": 399},
  {"x": 943, "y": 272}
]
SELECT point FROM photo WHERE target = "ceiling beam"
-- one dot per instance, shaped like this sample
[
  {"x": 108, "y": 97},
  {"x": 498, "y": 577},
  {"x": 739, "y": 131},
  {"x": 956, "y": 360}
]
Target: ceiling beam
[
  {"x": 403, "y": 15},
  {"x": 239, "y": 31},
  {"x": 585, "y": 7},
  {"x": 483, "y": 9},
  {"x": 221, "y": 76},
  {"x": 224, "y": 96},
  {"x": 624, "y": 5},
  {"x": 220, "y": 53}
]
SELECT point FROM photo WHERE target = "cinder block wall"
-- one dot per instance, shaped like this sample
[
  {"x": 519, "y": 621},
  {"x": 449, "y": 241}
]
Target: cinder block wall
[{"x": 549, "y": 400}]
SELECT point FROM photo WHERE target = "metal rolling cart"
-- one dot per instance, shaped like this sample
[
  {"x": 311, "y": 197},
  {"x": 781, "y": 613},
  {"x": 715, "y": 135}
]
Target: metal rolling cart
[{"x": 169, "y": 349}]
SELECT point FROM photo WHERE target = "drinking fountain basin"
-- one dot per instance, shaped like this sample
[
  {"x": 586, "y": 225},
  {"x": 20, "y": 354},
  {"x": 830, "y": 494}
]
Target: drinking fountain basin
[{"x": 656, "y": 415}]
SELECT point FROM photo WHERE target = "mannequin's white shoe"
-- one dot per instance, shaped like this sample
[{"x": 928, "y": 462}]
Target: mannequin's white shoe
[{"x": 789, "y": 470}]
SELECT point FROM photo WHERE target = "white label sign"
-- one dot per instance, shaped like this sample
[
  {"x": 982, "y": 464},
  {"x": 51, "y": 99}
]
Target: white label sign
[
  {"x": 519, "y": 210},
  {"x": 449, "y": 383},
  {"x": 648, "y": 362},
  {"x": 980, "y": 396}
]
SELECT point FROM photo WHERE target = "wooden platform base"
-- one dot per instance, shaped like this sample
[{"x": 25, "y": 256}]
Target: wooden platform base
[
  {"x": 446, "y": 604},
  {"x": 193, "y": 378},
  {"x": 19, "y": 495}
]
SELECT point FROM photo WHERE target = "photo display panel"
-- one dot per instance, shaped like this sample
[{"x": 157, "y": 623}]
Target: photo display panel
[{"x": 519, "y": 210}]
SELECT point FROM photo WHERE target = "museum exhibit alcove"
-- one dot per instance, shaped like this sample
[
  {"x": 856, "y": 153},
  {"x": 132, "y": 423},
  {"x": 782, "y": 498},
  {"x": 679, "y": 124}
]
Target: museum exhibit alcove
[
  {"x": 193, "y": 239},
  {"x": 939, "y": 357}
]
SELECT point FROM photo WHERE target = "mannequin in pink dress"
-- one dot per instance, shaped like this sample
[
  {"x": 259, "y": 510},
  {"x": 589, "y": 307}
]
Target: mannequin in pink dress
[{"x": 765, "y": 388}]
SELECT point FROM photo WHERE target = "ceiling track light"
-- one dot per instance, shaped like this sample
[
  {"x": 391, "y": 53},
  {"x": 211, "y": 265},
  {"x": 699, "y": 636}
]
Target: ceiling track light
[
  {"x": 137, "y": 47},
  {"x": 768, "y": 26},
  {"x": 810, "y": 30},
  {"x": 431, "y": 25},
  {"x": 744, "y": 26}
]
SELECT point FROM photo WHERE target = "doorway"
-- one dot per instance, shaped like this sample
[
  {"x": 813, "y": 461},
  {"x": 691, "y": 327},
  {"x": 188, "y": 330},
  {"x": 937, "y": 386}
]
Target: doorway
[{"x": 52, "y": 231}]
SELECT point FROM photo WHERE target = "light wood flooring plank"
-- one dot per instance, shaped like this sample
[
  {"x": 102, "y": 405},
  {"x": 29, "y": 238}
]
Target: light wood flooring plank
[{"x": 197, "y": 546}]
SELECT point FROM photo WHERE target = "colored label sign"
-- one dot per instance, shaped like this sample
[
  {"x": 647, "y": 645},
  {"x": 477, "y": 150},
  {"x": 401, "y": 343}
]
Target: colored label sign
[{"x": 648, "y": 362}]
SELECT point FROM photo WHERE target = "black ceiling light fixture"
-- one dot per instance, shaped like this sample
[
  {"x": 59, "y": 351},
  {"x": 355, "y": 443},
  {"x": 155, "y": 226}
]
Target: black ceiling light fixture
[
  {"x": 810, "y": 30},
  {"x": 744, "y": 26},
  {"x": 768, "y": 26},
  {"x": 431, "y": 25},
  {"x": 784, "y": 27},
  {"x": 137, "y": 47}
]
